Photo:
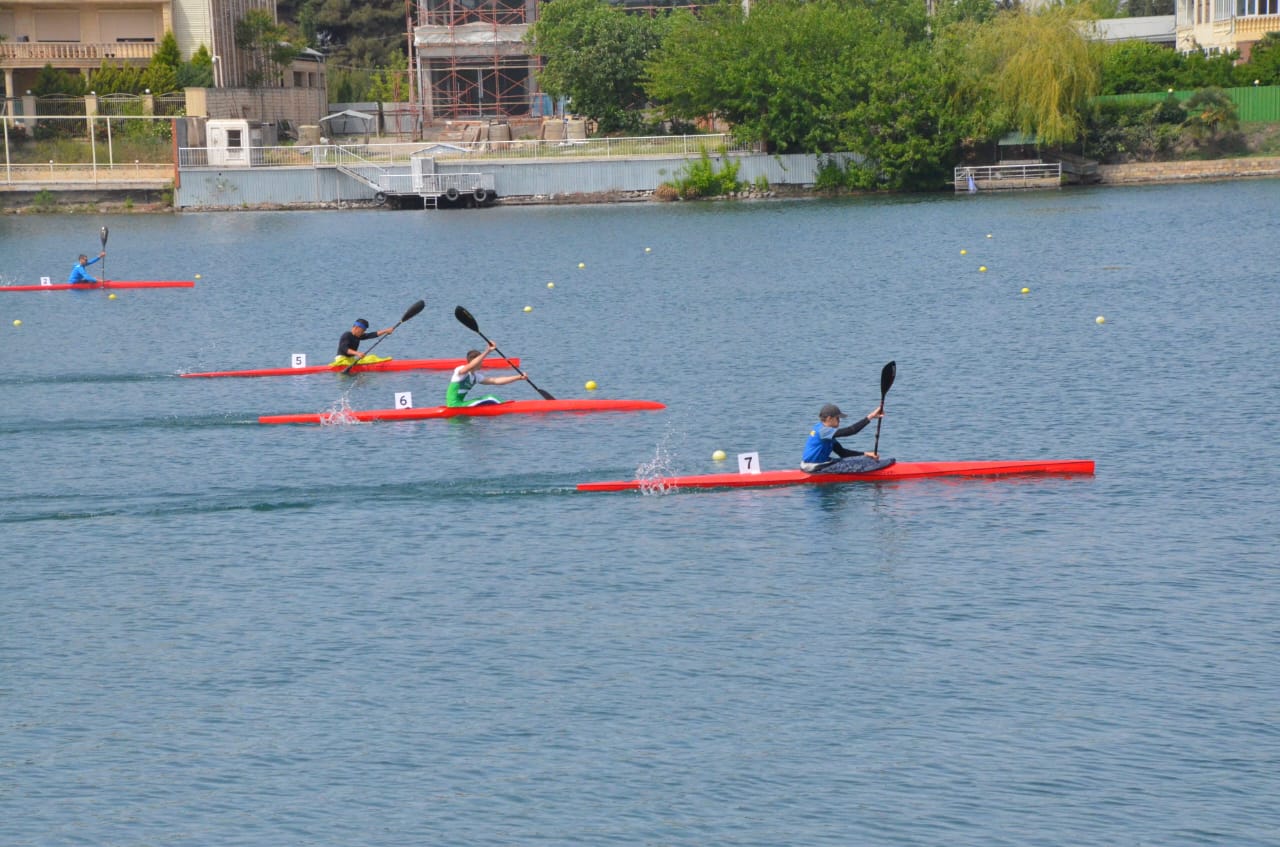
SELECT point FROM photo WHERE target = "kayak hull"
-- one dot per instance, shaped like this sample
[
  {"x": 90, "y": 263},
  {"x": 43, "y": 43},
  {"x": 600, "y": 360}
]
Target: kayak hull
[
  {"x": 391, "y": 365},
  {"x": 108, "y": 284},
  {"x": 511, "y": 407},
  {"x": 896, "y": 471}
]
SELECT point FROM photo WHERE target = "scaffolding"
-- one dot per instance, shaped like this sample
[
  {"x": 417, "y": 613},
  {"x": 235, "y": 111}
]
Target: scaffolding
[{"x": 471, "y": 63}]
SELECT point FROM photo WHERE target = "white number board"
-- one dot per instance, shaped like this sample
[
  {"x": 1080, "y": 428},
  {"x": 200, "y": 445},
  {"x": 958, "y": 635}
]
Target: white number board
[
  {"x": 748, "y": 463},
  {"x": 404, "y": 399},
  {"x": 44, "y": 280},
  {"x": 298, "y": 360}
]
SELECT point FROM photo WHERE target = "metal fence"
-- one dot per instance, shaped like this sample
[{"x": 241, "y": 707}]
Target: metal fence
[
  {"x": 1254, "y": 103},
  {"x": 401, "y": 153},
  {"x": 1008, "y": 177}
]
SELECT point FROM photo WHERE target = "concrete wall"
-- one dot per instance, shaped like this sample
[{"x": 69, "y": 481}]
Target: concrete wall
[
  {"x": 1139, "y": 172},
  {"x": 299, "y": 106},
  {"x": 206, "y": 187}
]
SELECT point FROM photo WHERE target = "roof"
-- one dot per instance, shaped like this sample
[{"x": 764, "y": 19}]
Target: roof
[
  {"x": 1018, "y": 139},
  {"x": 1155, "y": 28},
  {"x": 345, "y": 113}
]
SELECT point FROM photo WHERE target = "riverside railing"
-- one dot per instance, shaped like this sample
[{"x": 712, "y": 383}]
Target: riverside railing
[
  {"x": 1009, "y": 176},
  {"x": 400, "y": 153}
]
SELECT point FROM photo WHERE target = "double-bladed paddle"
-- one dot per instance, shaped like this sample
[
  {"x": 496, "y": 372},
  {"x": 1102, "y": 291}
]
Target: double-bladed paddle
[
  {"x": 103, "y": 235},
  {"x": 887, "y": 374},
  {"x": 409, "y": 313},
  {"x": 464, "y": 317}
]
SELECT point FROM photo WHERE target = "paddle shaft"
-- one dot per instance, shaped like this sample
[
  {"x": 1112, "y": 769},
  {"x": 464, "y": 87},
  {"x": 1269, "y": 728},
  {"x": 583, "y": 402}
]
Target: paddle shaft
[
  {"x": 466, "y": 319},
  {"x": 103, "y": 236},
  {"x": 412, "y": 310}
]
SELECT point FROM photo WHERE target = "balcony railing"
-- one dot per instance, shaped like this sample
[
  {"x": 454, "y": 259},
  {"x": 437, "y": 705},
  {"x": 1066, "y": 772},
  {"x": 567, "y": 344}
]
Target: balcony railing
[{"x": 16, "y": 53}]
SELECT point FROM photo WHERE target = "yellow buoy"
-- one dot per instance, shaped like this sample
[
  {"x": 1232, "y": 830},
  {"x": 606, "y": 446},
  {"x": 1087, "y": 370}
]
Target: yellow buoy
[
  {"x": 551, "y": 285},
  {"x": 718, "y": 456},
  {"x": 982, "y": 268},
  {"x": 582, "y": 264},
  {"x": 17, "y": 323},
  {"x": 197, "y": 276},
  {"x": 964, "y": 252},
  {"x": 111, "y": 296},
  {"x": 1100, "y": 320},
  {"x": 988, "y": 235},
  {"x": 1026, "y": 291},
  {"x": 648, "y": 249},
  {"x": 528, "y": 308},
  {"x": 591, "y": 385}
]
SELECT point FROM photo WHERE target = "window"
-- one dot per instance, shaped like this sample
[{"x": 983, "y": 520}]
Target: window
[
  {"x": 1257, "y": 8},
  {"x": 234, "y": 138}
]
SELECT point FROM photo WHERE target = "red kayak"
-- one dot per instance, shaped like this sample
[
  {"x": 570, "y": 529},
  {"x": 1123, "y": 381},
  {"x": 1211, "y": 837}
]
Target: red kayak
[
  {"x": 391, "y": 365},
  {"x": 511, "y": 407},
  {"x": 97, "y": 286},
  {"x": 896, "y": 471}
]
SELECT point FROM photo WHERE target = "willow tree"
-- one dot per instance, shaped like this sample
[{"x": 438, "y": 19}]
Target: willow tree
[{"x": 1037, "y": 71}]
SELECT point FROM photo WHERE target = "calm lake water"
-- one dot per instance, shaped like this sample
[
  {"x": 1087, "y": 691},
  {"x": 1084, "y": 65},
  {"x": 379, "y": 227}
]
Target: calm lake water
[{"x": 214, "y": 632}]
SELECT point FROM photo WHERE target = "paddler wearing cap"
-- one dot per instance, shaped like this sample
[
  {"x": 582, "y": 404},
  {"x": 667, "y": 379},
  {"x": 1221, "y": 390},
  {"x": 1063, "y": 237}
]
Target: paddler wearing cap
[
  {"x": 349, "y": 344},
  {"x": 822, "y": 444}
]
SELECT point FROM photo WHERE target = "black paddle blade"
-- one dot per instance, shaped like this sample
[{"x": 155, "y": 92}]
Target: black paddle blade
[
  {"x": 887, "y": 375},
  {"x": 546, "y": 395},
  {"x": 413, "y": 310},
  {"x": 104, "y": 235},
  {"x": 464, "y": 318}
]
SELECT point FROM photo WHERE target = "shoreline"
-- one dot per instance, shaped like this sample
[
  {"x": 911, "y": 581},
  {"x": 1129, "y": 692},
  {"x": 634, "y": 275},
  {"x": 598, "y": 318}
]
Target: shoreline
[{"x": 85, "y": 199}]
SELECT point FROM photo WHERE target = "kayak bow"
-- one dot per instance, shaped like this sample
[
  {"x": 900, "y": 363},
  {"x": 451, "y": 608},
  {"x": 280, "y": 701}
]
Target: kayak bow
[
  {"x": 389, "y": 365},
  {"x": 896, "y": 471},
  {"x": 97, "y": 286},
  {"x": 511, "y": 407}
]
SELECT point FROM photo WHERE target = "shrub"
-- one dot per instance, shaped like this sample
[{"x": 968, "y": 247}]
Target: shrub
[{"x": 700, "y": 178}]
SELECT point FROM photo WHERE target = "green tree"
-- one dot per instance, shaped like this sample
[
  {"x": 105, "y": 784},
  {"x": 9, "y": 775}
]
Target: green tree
[
  {"x": 50, "y": 80},
  {"x": 363, "y": 34},
  {"x": 789, "y": 75},
  {"x": 268, "y": 47},
  {"x": 1036, "y": 71},
  {"x": 1210, "y": 115},
  {"x": 1201, "y": 71},
  {"x": 390, "y": 85},
  {"x": 594, "y": 54},
  {"x": 198, "y": 73},
  {"x": 167, "y": 53},
  {"x": 1134, "y": 67},
  {"x": 1264, "y": 61}
]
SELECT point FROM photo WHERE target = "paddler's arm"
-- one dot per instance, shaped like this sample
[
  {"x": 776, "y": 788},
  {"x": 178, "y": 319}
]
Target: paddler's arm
[
  {"x": 855, "y": 428},
  {"x": 474, "y": 362},
  {"x": 503, "y": 380},
  {"x": 383, "y": 332}
]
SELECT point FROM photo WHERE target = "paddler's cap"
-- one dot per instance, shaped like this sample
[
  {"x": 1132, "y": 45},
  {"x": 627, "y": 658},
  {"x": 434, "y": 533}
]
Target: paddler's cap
[
  {"x": 362, "y": 323},
  {"x": 831, "y": 410}
]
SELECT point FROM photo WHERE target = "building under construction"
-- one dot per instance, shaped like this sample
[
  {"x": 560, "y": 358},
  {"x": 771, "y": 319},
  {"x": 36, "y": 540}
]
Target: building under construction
[{"x": 471, "y": 63}]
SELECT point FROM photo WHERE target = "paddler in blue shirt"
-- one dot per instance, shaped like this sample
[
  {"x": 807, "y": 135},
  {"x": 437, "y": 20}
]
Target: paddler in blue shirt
[
  {"x": 822, "y": 444},
  {"x": 79, "y": 274},
  {"x": 464, "y": 379},
  {"x": 349, "y": 344}
]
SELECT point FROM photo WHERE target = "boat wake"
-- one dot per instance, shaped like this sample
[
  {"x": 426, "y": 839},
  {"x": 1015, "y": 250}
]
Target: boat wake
[
  {"x": 652, "y": 474},
  {"x": 340, "y": 414}
]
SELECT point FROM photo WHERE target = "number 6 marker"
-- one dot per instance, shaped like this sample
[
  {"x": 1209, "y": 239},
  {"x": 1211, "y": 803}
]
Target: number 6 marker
[{"x": 404, "y": 399}]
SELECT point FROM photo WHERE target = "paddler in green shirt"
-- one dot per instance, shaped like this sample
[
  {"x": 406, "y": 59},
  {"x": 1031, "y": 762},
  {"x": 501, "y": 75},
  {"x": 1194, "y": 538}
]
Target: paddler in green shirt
[{"x": 464, "y": 379}]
